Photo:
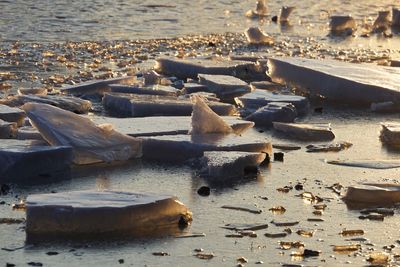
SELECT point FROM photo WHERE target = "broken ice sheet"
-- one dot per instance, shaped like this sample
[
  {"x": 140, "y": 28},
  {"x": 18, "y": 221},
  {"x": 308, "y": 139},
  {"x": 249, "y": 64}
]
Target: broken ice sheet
[
  {"x": 367, "y": 163},
  {"x": 87, "y": 213},
  {"x": 357, "y": 84},
  {"x": 224, "y": 86},
  {"x": 90, "y": 143},
  {"x": 96, "y": 86},
  {"x": 131, "y": 105},
  {"x": 352, "y": 232},
  {"x": 223, "y": 165},
  {"x": 154, "y": 90},
  {"x": 259, "y": 98},
  {"x": 70, "y": 103},
  {"x": 163, "y": 125},
  {"x": 306, "y": 132}
]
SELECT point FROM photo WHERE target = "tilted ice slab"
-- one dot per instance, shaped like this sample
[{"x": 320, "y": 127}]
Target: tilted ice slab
[
  {"x": 273, "y": 112},
  {"x": 96, "y": 86},
  {"x": 164, "y": 125},
  {"x": 259, "y": 98},
  {"x": 184, "y": 69},
  {"x": 155, "y": 90},
  {"x": 360, "y": 84},
  {"x": 25, "y": 161},
  {"x": 390, "y": 133},
  {"x": 224, "y": 86},
  {"x": 379, "y": 194},
  {"x": 189, "y": 88},
  {"x": 179, "y": 148},
  {"x": 88, "y": 213},
  {"x": 28, "y": 133},
  {"x": 223, "y": 164},
  {"x": 12, "y": 114},
  {"x": 90, "y": 143},
  {"x": 70, "y": 103},
  {"x": 306, "y": 132},
  {"x": 130, "y": 105}
]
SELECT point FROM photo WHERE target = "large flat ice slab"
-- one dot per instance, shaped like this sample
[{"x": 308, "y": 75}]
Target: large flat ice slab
[
  {"x": 224, "y": 165},
  {"x": 74, "y": 104},
  {"x": 224, "y": 86},
  {"x": 106, "y": 212},
  {"x": 162, "y": 125},
  {"x": 361, "y": 84},
  {"x": 12, "y": 114},
  {"x": 259, "y": 98},
  {"x": 184, "y": 69},
  {"x": 179, "y": 148},
  {"x": 27, "y": 162},
  {"x": 90, "y": 143},
  {"x": 96, "y": 86},
  {"x": 131, "y": 105}
]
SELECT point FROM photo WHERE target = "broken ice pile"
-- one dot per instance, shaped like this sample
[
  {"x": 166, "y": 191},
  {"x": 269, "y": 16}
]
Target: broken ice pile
[{"x": 93, "y": 213}]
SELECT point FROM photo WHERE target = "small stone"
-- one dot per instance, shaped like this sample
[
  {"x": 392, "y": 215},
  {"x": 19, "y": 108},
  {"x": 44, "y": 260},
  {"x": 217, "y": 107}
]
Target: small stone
[
  {"x": 121, "y": 261},
  {"x": 204, "y": 191},
  {"x": 259, "y": 262},
  {"x": 278, "y": 156},
  {"x": 274, "y": 18},
  {"x": 299, "y": 187},
  {"x": 242, "y": 260},
  {"x": 10, "y": 264},
  {"x": 52, "y": 253},
  {"x": 35, "y": 263},
  {"x": 161, "y": 253}
]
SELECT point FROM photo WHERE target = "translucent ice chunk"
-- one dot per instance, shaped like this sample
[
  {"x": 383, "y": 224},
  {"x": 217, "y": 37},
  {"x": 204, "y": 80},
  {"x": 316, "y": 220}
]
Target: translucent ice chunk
[
  {"x": 273, "y": 112},
  {"x": 89, "y": 142},
  {"x": 87, "y": 213},
  {"x": 309, "y": 132},
  {"x": 379, "y": 194},
  {"x": 204, "y": 120}
]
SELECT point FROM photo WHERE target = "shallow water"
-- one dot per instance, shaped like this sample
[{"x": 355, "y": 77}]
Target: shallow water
[{"x": 52, "y": 21}]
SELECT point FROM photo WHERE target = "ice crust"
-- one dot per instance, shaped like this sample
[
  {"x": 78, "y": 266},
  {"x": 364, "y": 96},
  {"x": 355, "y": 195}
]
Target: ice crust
[{"x": 90, "y": 142}]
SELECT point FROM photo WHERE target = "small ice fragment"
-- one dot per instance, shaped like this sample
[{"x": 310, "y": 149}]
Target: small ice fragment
[
  {"x": 205, "y": 121},
  {"x": 352, "y": 232},
  {"x": 368, "y": 163},
  {"x": 228, "y": 164},
  {"x": 247, "y": 208},
  {"x": 276, "y": 235},
  {"x": 155, "y": 90},
  {"x": 90, "y": 143},
  {"x": 378, "y": 258},
  {"x": 272, "y": 112},
  {"x": 333, "y": 147},
  {"x": 342, "y": 25},
  {"x": 8, "y": 129},
  {"x": 32, "y": 91},
  {"x": 285, "y": 13},
  {"x": 346, "y": 248},
  {"x": 12, "y": 114},
  {"x": 384, "y": 194},
  {"x": 256, "y": 36},
  {"x": 224, "y": 86},
  {"x": 315, "y": 132},
  {"x": 382, "y": 22},
  {"x": 261, "y": 10},
  {"x": 96, "y": 86}
]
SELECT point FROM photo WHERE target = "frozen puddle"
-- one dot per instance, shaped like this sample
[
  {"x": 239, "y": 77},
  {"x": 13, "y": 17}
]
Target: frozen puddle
[
  {"x": 178, "y": 148},
  {"x": 27, "y": 162},
  {"x": 86, "y": 213},
  {"x": 131, "y": 105},
  {"x": 361, "y": 84}
]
